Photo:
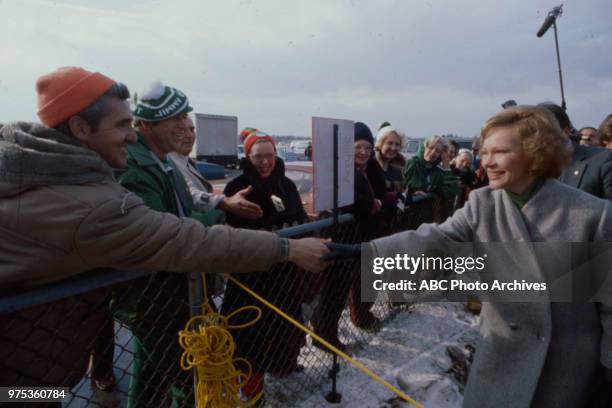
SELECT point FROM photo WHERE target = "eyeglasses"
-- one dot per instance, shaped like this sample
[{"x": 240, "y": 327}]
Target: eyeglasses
[
  {"x": 366, "y": 149},
  {"x": 259, "y": 158}
]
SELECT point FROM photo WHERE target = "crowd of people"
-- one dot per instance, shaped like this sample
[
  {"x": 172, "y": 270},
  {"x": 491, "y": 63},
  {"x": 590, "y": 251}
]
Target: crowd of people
[{"x": 98, "y": 184}]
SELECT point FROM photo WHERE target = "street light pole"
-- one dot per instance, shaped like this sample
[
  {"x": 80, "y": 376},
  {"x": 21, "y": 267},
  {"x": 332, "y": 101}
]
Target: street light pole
[
  {"x": 551, "y": 19},
  {"x": 559, "y": 66}
]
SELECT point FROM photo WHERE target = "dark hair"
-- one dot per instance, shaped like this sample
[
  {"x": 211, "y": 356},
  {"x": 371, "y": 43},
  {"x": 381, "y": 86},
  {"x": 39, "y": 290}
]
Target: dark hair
[
  {"x": 560, "y": 114},
  {"x": 363, "y": 132},
  {"x": 94, "y": 113},
  {"x": 455, "y": 144}
]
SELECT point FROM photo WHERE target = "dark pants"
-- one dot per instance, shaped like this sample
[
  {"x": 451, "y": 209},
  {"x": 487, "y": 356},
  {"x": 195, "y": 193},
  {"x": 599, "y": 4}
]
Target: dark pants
[
  {"x": 272, "y": 344},
  {"x": 155, "y": 308},
  {"x": 103, "y": 352}
]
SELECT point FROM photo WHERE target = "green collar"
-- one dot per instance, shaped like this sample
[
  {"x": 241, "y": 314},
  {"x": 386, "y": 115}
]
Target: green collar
[
  {"x": 521, "y": 199},
  {"x": 141, "y": 153}
]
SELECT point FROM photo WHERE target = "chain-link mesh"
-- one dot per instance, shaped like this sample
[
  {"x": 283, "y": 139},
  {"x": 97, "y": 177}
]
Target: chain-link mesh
[{"x": 125, "y": 336}]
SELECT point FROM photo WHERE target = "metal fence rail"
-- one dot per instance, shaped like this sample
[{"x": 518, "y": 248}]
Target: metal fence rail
[{"x": 125, "y": 324}]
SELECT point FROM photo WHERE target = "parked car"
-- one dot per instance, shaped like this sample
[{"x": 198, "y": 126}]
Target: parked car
[
  {"x": 411, "y": 148},
  {"x": 301, "y": 174},
  {"x": 210, "y": 170}
]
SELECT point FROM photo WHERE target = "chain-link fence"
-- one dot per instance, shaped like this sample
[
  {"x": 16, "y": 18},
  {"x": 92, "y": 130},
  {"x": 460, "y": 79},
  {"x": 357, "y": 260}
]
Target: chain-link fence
[{"x": 111, "y": 336}]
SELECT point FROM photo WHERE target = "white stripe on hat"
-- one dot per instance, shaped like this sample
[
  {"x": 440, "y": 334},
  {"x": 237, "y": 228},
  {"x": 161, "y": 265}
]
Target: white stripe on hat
[{"x": 165, "y": 101}]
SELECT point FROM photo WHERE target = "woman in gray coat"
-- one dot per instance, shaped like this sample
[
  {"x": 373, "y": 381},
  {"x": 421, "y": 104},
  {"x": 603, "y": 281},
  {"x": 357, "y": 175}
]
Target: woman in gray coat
[{"x": 531, "y": 354}]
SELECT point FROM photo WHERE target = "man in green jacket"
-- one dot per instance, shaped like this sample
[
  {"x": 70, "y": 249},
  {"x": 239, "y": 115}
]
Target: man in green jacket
[{"x": 161, "y": 120}]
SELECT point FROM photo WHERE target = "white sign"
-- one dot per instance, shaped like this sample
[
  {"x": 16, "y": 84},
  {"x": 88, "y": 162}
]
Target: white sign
[{"x": 323, "y": 162}]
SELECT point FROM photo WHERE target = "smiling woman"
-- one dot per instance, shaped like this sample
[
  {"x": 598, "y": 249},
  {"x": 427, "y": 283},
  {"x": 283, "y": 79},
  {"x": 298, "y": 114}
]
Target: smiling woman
[
  {"x": 540, "y": 354},
  {"x": 519, "y": 146}
]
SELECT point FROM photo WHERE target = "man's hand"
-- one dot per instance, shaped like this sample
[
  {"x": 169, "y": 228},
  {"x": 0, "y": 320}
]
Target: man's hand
[
  {"x": 307, "y": 253},
  {"x": 240, "y": 206}
]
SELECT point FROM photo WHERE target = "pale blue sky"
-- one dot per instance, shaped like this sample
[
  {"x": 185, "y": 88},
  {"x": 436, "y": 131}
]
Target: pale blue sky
[{"x": 426, "y": 66}]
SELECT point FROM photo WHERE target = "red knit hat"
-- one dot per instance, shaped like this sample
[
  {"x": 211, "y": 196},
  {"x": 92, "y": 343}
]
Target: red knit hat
[
  {"x": 67, "y": 91},
  {"x": 245, "y": 133},
  {"x": 255, "y": 137}
]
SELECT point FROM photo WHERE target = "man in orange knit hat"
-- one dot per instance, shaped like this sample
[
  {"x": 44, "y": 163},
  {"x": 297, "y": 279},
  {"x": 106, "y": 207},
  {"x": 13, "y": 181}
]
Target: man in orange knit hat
[{"x": 63, "y": 214}]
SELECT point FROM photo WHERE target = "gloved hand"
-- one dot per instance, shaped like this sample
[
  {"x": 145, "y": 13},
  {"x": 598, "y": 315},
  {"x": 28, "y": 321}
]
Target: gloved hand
[{"x": 342, "y": 251}]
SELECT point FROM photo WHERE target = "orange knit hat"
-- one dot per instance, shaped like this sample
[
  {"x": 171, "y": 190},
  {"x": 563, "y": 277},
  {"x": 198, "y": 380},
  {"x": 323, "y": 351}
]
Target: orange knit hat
[
  {"x": 255, "y": 137},
  {"x": 67, "y": 91}
]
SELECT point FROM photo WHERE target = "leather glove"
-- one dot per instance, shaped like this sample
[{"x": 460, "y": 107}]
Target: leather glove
[{"x": 342, "y": 251}]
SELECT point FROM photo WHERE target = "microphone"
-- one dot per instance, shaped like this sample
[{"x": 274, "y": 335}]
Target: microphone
[
  {"x": 546, "y": 25},
  {"x": 550, "y": 19}
]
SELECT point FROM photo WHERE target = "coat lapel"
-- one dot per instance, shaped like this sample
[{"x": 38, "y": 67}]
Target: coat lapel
[{"x": 572, "y": 174}]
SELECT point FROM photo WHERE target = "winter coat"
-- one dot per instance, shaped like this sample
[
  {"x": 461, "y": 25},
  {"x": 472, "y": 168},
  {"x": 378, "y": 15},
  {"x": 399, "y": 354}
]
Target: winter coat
[
  {"x": 387, "y": 184},
  {"x": 144, "y": 177},
  {"x": 428, "y": 177},
  {"x": 394, "y": 180},
  {"x": 272, "y": 344},
  {"x": 62, "y": 214},
  {"x": 200, "y": 189},
  {"x": 531, "y": 354},
  {"x": 590, "y": 171},
  {"x": 278, "y": 185}
]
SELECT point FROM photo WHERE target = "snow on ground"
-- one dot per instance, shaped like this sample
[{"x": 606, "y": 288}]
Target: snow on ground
[{"x": 409, "y": 352}]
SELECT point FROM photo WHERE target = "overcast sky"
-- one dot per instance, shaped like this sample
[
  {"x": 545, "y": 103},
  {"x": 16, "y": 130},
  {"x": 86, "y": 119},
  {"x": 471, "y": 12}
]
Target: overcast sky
[{"x": 426, "y": 66}]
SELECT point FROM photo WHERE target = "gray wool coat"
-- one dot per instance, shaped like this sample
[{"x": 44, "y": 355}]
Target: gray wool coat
[{"x": 530, "y": 354}]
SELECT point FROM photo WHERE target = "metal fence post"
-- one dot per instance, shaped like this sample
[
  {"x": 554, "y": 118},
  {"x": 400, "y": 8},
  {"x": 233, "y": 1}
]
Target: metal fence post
[{"x": 196, "y": 298}]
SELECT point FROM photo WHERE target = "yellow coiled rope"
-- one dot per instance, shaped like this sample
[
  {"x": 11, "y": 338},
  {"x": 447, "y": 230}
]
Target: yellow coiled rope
[{"x": 209, "y": 348}]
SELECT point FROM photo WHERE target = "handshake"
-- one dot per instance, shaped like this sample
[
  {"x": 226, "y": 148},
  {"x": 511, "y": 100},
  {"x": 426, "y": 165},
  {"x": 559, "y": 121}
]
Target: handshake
[{"x": 315, "y": 255}]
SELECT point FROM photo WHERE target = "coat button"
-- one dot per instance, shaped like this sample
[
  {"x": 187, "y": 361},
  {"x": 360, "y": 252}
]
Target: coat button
[
  {"x": 513, "y": 325},
  {"x": 576, "y": 173}
]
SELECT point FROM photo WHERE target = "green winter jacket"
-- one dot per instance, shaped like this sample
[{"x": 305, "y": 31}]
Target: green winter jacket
[
  {"x": 144, "y": 177},
  {"x": 421, "y": 176}
]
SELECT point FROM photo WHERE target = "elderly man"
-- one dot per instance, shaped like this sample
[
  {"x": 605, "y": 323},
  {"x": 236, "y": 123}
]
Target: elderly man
[
  {"x": 201, "y": 190},
  {"x": 63, "y": 214},
  {"x": 162, "y": 125}
]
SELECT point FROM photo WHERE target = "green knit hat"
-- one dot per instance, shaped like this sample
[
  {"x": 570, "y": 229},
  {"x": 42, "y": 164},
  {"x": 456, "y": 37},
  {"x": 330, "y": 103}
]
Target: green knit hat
[{"x": 159, "y": 102}]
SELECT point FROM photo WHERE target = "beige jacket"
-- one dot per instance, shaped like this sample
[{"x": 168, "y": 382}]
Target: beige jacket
[
  {"x": 62, "y": 214},
  {"x": 53, "y": 231}
]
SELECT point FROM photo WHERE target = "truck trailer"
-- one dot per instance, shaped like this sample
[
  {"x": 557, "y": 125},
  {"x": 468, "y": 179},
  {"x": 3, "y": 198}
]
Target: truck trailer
[{"x": 216, "y": 139}]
